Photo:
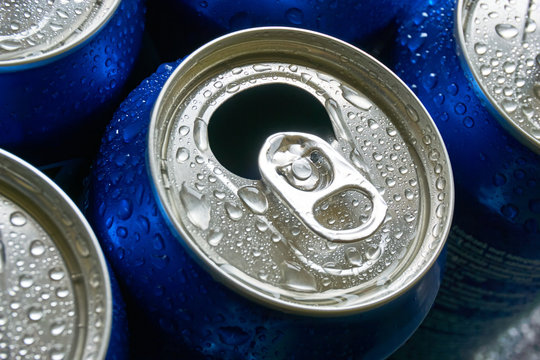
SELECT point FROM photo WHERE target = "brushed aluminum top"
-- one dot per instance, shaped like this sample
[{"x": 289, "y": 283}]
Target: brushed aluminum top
[
  {"x": 500, "y": 44},
  {"x": 31, "y": 30},
  {"x": 335, "y": 225},
  {"x": 55, "y": 297}
]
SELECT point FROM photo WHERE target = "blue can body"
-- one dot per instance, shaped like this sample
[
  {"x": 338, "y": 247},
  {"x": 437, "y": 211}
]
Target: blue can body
[
  {"x": 493, "y": 268},
  {"x": 50, "y": 109},
  {"x": 119, "y": 346},
  {"x": 179, "y": 26},
  {"x": 189, "y": 312}
]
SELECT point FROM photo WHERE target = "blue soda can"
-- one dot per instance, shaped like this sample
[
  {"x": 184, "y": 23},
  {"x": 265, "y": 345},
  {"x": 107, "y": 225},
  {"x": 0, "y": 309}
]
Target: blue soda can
[
  {"x": 63, "y": 64},
  {"x": 474, "y": 65},
  {"x": 56, "y": 300},
  {"x": 329, "y": 251},
  {"x": 192, "y": 23}
]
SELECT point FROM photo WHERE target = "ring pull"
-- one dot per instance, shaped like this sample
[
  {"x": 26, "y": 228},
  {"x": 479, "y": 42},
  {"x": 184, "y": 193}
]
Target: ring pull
[{"x": 303, "y": 170}]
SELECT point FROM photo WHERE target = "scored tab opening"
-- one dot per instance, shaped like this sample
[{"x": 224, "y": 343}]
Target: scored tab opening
[{"x": 239, "y": 127}]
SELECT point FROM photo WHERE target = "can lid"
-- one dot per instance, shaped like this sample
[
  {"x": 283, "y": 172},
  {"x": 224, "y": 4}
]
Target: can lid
[
  {"x": 500, "y": 46},
  {"x": 335, "y": 225},
  {"x": 55, "y": 297},
  {"x": 32, "y": 31}
]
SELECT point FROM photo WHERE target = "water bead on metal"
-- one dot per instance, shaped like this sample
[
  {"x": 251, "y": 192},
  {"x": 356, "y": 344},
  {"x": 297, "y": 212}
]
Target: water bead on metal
[
  {"x": 379, "y": 193},
  {"x": 501, "y": 45},
  {"x": 32, "y": 29}
]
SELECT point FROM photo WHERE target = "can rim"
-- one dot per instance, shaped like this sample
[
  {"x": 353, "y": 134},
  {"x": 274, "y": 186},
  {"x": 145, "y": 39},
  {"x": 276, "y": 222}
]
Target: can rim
[
  {"x": 475, "y": 78},
  {"x": 11, "y": 163},
  {"x": 153, "y": 166},
  {"x": 61, "y": 51}
]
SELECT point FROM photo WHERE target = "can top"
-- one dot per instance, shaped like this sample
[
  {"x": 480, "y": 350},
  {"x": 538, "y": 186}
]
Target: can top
[
  {"x": 335, "y": 226},
  {"x": 500, "y": 46},
  {"x": 35, "y": 30},
  {"x": 55, "y": 297}
]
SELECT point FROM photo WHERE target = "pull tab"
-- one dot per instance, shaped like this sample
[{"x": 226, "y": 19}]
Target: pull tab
[{"x": 303, "y": 170}]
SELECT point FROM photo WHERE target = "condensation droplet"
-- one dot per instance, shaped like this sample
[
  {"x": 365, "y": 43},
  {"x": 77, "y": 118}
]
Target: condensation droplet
[
  {"x": 356, "y": 99},
  {"x": 506, "y": 31},
  {"x": 353, "y": 256},
  {"x": 35, "y": 313},
  {"x": 57, "y": 328},
  {"x": 254, "y": 199},
  {"x": 296, "y": 278},
  {"x": 56, "y": 274},
  {"x": 26, "y": 281},
  {"x": 17, "y": 219},
  {"x": 214, "y": 238},
  {"x": 480, "y": 48},
  {"x": 200, "y": 135},
  {"x": 182, "y": 155},
  {"x": 37, "y": 248},
  {"x": 197, "y": 208},
  {"x": 183, "y": 130},
  {"x": 234, "y": 212}
]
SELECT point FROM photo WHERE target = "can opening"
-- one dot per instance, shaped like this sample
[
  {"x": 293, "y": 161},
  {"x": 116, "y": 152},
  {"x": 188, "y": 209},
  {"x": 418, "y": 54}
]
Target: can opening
[{"x": 240, "y": 126}]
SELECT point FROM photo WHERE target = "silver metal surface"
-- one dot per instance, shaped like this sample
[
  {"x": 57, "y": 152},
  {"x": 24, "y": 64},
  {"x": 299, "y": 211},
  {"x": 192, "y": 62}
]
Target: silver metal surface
[
  {"x": 500, "y": 46},
  {"x": 55, "y": 298},
  {"x": 246, "y": 234},
  {"x": 34, "y": 30}
]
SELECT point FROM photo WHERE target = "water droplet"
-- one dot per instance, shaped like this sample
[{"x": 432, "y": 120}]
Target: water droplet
[
  {"x": 219, "y": 194},
  {"x": 35, "y": 313},
  {"x": 530, "y": 26},
  {"x": 233, "y": 335},
  {"x": 57, "y": 353},
  {"x": 62, "y": 292},
  {"x": 254, "y": 199},
  {"x": 409, "y": 194},
  {"x": 296, "y": 278},
  {"x": 17, "y": 218},
  {"x": 480, "y": 48},
  {"x": 183, "y": 130},
  {"x": 377, "y": 157},
  {"x": 509, "y": 106},
  {"x": 356, "y": 99},
  {"x": 374, "y": 253},
  {"x": 232, "y": 88},
  {"x": 262, "y": 67},
  {"x": 485, "y": 70},
  {"x": 125, "y": 209},
  {"x": 468, "y": 122},
  {"x": 37, "y": 248},
  {"x": 391, "y": 131},
  {"x": 510, "y": 211},
  {"x": 28, "y": 340},
  {"x": 390, "y": 182},
  {"x": 56, "y": 27},
  {"x": 276, "y": 238},
  {"x": 62, "y": 14},
  {"x": 182, "y": 155},
  {"x": 10, "y": 45},
  {"x": 214, "y": 238},
  {"x": 26, "y": 281},
  {"x": 235, "y": 213},
  {"x": 57, "y": 328},
  {"x": 294, "y": 16},
  {"x": 200, "y": 135},
  {"x": 373, "y": 125},
  {"x": 197, "y": 208},
  {"x": 353, "y": 256},
  {"x": 261, "y": 226},
  {"x": 509, "y": 67},
  {"x": 56, "y": 274},
  {"x": 440, "y": 183},
  {"x": 506, "y": 31}
]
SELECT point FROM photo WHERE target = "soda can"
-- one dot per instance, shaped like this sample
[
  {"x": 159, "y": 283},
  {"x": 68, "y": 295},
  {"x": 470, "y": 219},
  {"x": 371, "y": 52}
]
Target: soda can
[
  {"x": 62, "y": 67},
  {"x": 334, "y": 239},
  {"x": 56, "y": 300},
  {"x": 181, "y": 25},
  {"x": 480, "y": 84}
]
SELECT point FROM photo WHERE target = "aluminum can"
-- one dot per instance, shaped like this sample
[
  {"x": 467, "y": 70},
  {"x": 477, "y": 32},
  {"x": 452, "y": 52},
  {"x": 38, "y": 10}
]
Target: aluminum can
[
  {"x": 62, "y": 67},
  {"x": 181, "y": 25},
  {"x": 56, "y": 300},
  {"x": 474, "y": 65},
  {"x": 331, "y": 241}
]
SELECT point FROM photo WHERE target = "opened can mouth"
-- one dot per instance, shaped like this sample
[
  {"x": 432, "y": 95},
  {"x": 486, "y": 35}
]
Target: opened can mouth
[
  {"x": 337, "y": 224},
  {"x": 55, "y": 291},
  {"x": 37, "y": 31},
  {"x": 499, "y": 47}
]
